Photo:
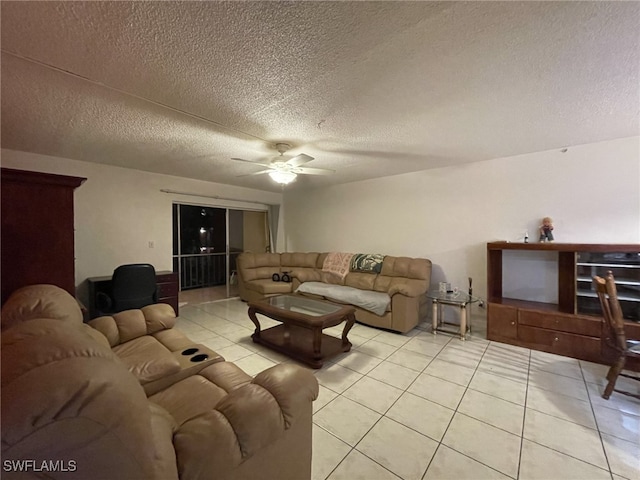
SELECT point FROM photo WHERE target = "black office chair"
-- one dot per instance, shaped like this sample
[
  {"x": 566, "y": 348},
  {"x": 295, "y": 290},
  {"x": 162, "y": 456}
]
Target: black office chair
[{"x": 132, "y": 286}]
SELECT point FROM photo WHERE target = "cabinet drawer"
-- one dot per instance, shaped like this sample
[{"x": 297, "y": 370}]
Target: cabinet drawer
[
  {"x": 591, "y": 327},
  {"x": 502, "y": 322},
  {"x": 167, "y": 290},
  {"x": 561, "y": 343}
]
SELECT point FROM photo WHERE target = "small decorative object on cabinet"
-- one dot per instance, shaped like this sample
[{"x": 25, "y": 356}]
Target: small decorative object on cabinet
[
  {"x": 546, "y": 230},
  {"x": 571, "y": 322}
]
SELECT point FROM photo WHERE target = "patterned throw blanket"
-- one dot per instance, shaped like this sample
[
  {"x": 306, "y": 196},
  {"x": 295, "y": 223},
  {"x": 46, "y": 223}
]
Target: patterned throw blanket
[
  {"x": 367, "y": 262},
  {"x": 337, "y": 263}
]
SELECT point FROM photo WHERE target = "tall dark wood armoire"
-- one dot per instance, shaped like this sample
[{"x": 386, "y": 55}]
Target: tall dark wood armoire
[{"x": 37, "y": 229}]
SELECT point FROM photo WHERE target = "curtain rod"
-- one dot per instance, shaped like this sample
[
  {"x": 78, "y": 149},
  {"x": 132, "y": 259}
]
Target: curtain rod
[{"x": 217, "y": 197}]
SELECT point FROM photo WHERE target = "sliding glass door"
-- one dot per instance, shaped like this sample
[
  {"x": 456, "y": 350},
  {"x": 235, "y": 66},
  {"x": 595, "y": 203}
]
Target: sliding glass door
[{"x": 207, "y": 241}]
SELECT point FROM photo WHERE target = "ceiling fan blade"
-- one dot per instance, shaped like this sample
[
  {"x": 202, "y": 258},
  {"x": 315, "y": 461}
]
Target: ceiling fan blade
[
  {"x": 314, "y": 171},
  {"x": 300, "y": 159},
  {"x": 251, "y": 162},
  {"x": 242, "y": 160},
  {"x": 256, "y": 173}
]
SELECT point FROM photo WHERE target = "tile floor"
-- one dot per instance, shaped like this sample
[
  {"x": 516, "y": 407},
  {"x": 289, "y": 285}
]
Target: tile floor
[{"x": 420, "y": 406}]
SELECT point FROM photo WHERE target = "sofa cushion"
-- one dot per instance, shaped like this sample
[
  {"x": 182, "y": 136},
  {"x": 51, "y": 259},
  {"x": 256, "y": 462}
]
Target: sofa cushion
[
  {"x": 266, "y": 286},
  {"x": 40, "y": 301},
  {"x": 130, "y": 324},
  {"x": 376, "y": 302},
  {"x": 65, "y": 396},
  {"x": 298, "y": 260},
  {"x": 307, "y": 275},
  {"x": 108, "y": 327},
  {"x": 202, "y": 394},
  {"x": 147, "y": 358},
  {"x": 407, "y": 276},
  {"x": 363, "y": 281},
  {"x": 159, "y": 316},
  {"x": 418, "y": 268},
  {"x": 173, "y": 339},
  {"x": 258, "y": 265},
  {"x": 204, "y": 391}
]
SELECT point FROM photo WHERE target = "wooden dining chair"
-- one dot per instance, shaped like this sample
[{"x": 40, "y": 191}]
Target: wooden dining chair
[{"x": 614, "y": 333}]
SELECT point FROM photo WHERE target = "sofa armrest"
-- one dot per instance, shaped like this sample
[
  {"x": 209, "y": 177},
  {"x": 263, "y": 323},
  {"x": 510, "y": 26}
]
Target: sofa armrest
[
  {"x": 248, "y": 419},
  {"x": 291, "y": 386},
  {"x": 130, "y": 324},
  {"x": 408, "y": 288}
]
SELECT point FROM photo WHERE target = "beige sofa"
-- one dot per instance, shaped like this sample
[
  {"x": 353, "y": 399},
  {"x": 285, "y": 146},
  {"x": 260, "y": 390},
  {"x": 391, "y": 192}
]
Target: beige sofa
[
  {"x": 72, "y": 406},
  {"x": 144, "y": 339},
  {"x": 155, "y": 352},
  {"x": 405, "y": 280}
]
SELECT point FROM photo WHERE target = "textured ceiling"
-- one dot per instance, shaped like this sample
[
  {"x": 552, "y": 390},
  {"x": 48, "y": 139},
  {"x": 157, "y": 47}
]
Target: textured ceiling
[{"x": 369, "y": 89}]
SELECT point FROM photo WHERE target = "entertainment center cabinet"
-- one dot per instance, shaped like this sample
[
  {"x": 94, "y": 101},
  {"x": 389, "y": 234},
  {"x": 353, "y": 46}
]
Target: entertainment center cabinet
[
  {"x": 570, "y": 324},
  {"x": 37, "y": 229}
]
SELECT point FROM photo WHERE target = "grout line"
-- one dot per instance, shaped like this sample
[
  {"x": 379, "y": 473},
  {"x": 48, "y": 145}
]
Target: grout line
[
  {"x": 595, "y": 418},
  {"x": 524, "y": 416},
  {"x": 383, "y": 415},
  {"x": 445, "y": 346},
  {"x": 440, "y": 443}
]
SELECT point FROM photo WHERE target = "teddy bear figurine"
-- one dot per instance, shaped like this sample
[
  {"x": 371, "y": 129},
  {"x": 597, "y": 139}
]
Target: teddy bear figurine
[{"x": 546, "y": 229}]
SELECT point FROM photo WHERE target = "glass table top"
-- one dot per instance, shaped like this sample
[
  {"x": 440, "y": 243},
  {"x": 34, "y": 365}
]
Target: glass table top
[
  {"x": 453, "y": 298},
  {"x": 300, "y": 304}
]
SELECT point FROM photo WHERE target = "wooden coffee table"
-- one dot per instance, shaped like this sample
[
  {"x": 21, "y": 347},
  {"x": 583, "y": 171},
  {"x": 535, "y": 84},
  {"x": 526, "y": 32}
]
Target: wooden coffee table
[{"x": 300, "y": 334}]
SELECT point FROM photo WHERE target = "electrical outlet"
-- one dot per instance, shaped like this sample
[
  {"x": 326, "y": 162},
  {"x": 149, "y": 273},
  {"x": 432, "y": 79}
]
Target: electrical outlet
[{"x": 151, "y": 244}]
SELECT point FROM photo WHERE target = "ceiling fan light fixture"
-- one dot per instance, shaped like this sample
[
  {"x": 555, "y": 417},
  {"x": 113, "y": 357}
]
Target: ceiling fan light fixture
[{"x": 282, "y": 177}]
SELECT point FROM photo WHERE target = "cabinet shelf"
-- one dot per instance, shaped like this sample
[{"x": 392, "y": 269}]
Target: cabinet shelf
[
  {"x": 622, "y": 298},
  {"x": 608, "y": 265},
  {"x": 516, "y": 302},
  {"x": 619, "y": 281},
  {"x": 625, "y": 266}
]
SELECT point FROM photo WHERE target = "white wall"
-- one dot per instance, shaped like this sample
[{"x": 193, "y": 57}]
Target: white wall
[
  {"x": 592, "y": 192},
  {"x": 118, "y": 211},
  {"x": 447, "y": 214}
]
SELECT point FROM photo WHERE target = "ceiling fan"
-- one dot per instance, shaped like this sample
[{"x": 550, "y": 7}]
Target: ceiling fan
[{"x": 285, "y": 171}]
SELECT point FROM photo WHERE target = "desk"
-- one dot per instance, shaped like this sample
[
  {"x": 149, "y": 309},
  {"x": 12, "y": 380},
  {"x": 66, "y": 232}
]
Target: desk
[
  {"x": 167, "y": 290},
  {"x": 458, "y": 299}
]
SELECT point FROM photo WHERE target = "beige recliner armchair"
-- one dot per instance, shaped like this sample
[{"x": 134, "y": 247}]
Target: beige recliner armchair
[
  {"x": 144, "y": 339},
  {"x": 71, "y": 409}
]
